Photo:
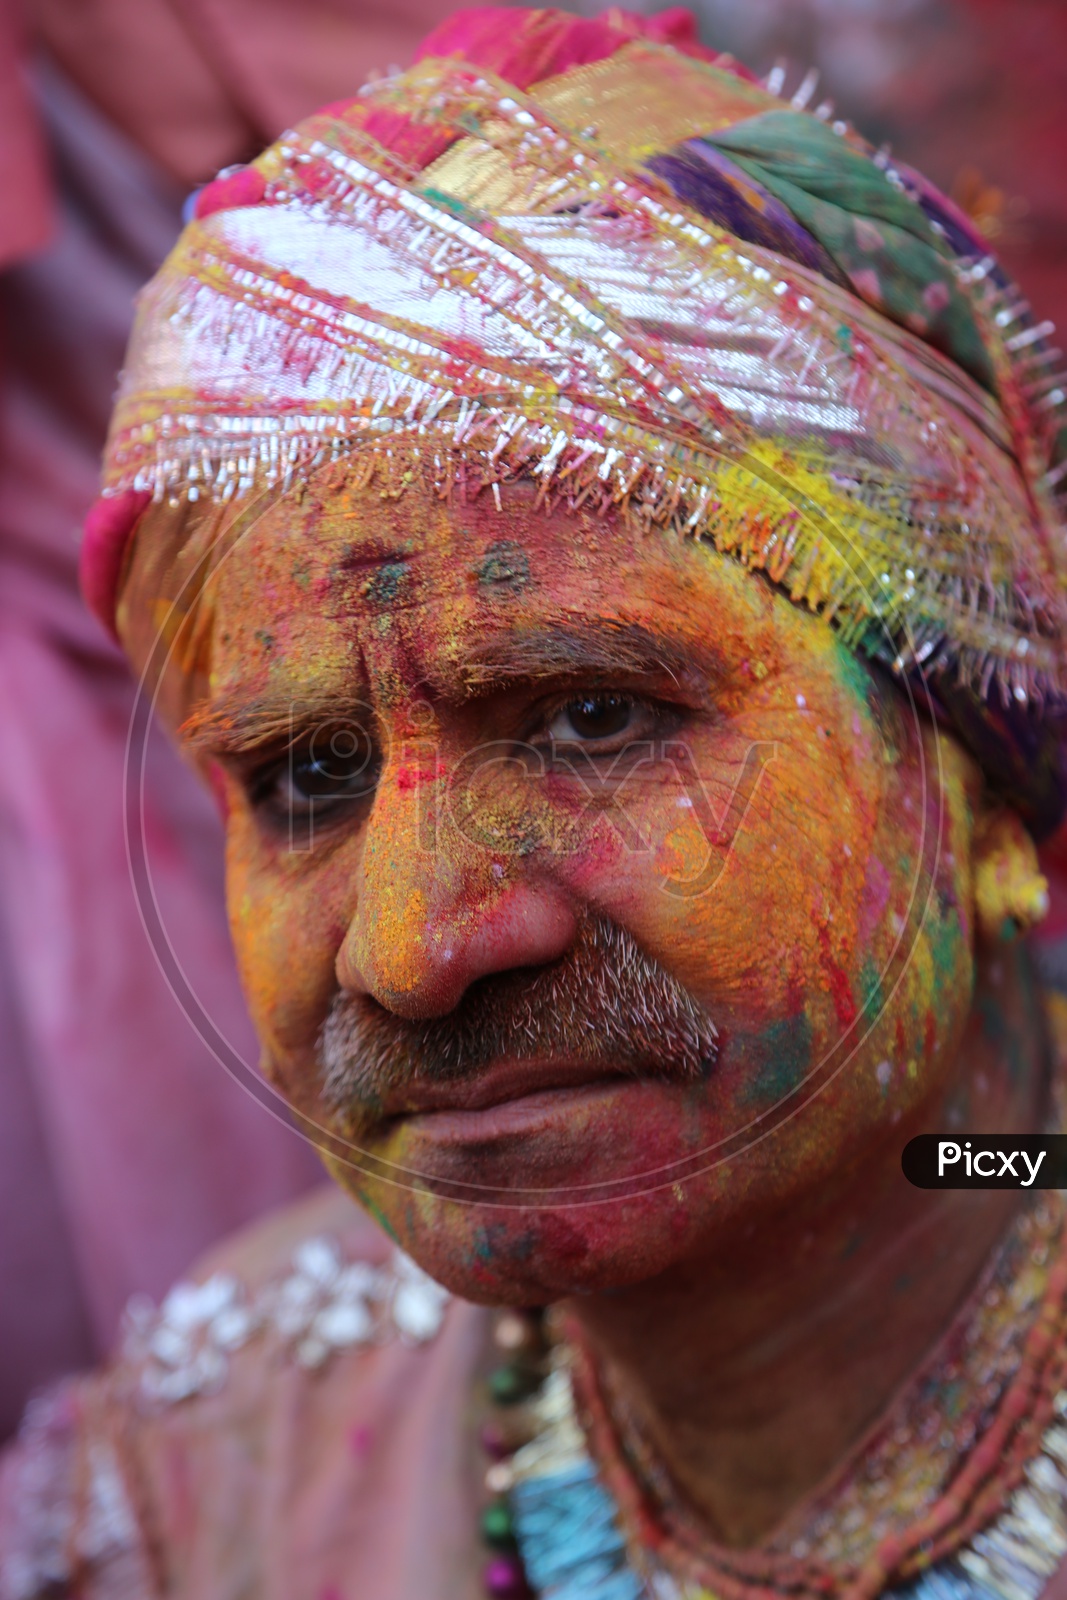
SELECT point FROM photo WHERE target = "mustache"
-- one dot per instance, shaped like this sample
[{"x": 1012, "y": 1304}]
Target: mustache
[{"x": 605, "y": 1000}]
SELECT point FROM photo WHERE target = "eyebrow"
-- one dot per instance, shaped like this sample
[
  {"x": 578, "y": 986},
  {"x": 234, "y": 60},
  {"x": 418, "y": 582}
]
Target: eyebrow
[
  {"x": 233, "y": 725},
  {"x": 601, "y": 647}
]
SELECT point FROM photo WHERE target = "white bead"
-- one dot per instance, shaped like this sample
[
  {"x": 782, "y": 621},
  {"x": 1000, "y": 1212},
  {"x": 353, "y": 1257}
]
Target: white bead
[
  {"x": 175, "y": 1386},
  {"x": 359, "y": 1281},
  {"x": 298, "y": 1291},
  {"x": 191, "y": 1305},
  {"x": 311, "y": 1353},
  {"x": 345, "y": 1322},
  {"x": 139, "y": 1313},
  {"x": 318, "y": 1259},
  {"x": 499, "y": 1478},
  {"x": 181, "y": 1308},
  {"x": 231, "y": 1328},
  {"x": 418, "y": 1310},
  {"x": 289, "y": 1320},
  {"x": 216, "y": 1294},
  {"x": 511, "y": 1331},
  {"x": 210, "y": 1369},
  {"x": 169, "y": 1345}
]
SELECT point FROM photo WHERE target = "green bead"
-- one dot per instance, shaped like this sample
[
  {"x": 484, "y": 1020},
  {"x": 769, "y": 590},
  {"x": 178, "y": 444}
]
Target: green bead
[
  {"x": 496, "y": 1526},
  {"x": 509, "y": 1385}
]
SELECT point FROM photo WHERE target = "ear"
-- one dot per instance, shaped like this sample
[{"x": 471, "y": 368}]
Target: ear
[{"x": 1010, "y": 894}]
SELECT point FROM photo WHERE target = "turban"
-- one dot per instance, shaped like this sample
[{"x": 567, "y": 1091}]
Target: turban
[{"x": 592, "y": 254}]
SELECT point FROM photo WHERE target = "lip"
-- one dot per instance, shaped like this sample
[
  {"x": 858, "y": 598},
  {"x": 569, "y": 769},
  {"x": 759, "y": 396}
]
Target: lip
[
  {"x": 520, "y": 1116},
  {"x": 507, "y": 1083}
]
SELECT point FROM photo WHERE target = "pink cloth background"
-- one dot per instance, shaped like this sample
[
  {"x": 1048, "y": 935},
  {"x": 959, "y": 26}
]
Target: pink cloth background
[{"x": 124, "y": 1147}]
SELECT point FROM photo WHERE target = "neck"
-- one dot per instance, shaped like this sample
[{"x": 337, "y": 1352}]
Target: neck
[{"x": 752, "y": 1373}]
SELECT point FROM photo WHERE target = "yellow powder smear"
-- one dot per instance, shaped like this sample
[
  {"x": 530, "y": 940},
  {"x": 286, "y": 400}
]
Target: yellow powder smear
[
  {"x": 642, "y": 99},
  {"x": 400, "y": 938}
]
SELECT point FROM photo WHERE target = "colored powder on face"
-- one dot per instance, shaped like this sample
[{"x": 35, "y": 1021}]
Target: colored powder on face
[
  {"x": 871, "y": 989},
  {"x": 505, "y": 568},
  {"x": 837, "y": 981},
  {"x": 785, "y": 1048},
  {"x": 387, "y": 584}
]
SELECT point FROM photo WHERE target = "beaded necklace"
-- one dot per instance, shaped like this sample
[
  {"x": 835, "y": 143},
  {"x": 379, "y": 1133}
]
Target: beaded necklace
[{"x": 960, "y": 1494}]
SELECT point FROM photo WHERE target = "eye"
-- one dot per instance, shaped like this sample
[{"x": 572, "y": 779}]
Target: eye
[
  {"x": 321, "y": 778},
  {"x": 600, "y": 719}
]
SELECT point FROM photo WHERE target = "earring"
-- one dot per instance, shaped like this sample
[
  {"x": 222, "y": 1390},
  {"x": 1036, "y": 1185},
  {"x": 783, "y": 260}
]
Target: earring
[{"x": 1010, "y": 892}]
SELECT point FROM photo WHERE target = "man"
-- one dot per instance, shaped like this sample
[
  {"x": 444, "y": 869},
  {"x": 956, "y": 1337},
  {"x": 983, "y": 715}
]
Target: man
[{"x": 595, "y": 529}]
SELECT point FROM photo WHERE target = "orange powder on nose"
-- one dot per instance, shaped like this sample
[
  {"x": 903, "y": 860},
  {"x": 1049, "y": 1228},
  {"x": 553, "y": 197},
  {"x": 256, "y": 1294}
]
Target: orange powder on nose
[{"x": 400, "y": 938}]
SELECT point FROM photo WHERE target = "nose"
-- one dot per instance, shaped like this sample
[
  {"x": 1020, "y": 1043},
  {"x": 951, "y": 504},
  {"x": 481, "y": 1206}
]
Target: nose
[{"x": 432, "y": 918}]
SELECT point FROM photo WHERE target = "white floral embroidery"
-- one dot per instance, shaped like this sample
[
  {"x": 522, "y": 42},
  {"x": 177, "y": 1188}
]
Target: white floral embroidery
[
  {"x": 43, "y": 1543},
  {"x": 323, "y": 1304}
]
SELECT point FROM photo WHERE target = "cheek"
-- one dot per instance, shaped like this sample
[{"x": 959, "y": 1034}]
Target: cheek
[
  {"x": 790, "y": 901},
  {"x": 750, "y": 881},
  {"x": 287, "y": 919}
]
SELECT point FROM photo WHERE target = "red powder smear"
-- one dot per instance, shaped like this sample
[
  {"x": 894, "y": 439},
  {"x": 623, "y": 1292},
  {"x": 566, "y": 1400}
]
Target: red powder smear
[
  {"x": 107, "y": 531},
  {"x": 840, "y": 992},
  {"x": 877, "y": 888},
  {"x": 412, "y": 773},
  {"x": 316, "y": 175},
  {"x": 565, "y": 1241},
  {"x": 246, "y": 187}
]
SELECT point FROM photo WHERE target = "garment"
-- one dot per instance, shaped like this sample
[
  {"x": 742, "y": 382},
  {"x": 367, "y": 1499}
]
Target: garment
[{"x": 288, "y": 1471}]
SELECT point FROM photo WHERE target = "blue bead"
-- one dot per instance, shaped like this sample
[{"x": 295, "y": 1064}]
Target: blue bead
[{"x": 571, "y": 1546}]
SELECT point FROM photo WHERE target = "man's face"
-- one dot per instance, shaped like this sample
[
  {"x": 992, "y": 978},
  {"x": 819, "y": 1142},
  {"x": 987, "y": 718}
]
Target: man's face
[{"x": 591, "y": 861}]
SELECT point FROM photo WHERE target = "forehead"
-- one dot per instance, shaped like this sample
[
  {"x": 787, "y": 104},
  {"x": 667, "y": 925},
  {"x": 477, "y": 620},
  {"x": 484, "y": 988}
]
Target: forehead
[{"x": 333, "y": 581}]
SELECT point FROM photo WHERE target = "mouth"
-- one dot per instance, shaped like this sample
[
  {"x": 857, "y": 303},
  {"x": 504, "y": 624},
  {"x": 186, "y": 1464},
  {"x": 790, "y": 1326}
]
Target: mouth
[
  {"x": 505, "y": 1083},
  {"x": 524, "y": 1126},
  {"x": 514, "y": 1111}
]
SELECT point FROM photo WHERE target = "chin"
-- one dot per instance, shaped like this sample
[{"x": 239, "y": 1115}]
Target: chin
[
  {"x": 534, "y": 1201},
  {"x": 530, "y": 1254}
]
